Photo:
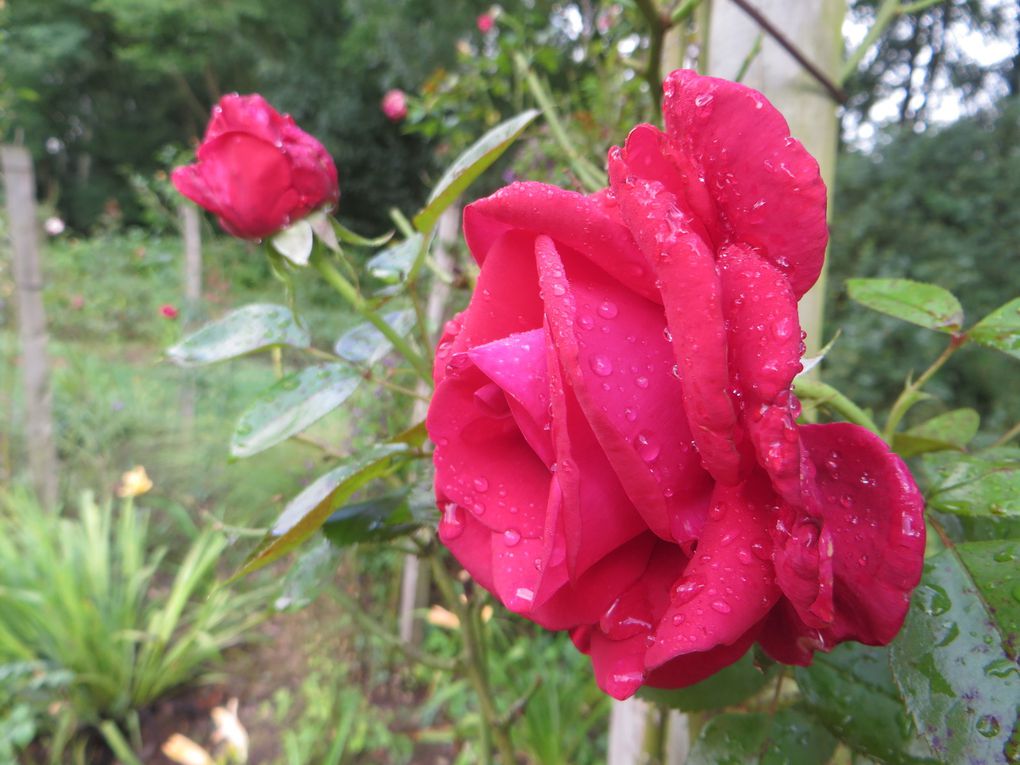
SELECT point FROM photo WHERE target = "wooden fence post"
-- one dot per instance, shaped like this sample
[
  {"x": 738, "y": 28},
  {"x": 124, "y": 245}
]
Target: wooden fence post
[
  {"x": 415, "y": 581},
  {"x": 19, "y": 187}
]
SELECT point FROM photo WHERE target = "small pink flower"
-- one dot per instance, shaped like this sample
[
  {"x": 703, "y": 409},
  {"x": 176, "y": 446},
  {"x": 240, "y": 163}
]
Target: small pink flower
[
  {"x": 394, "y": 105},
  {"x": 485, "y": 23},
  {"x": 168, "y": 311}
]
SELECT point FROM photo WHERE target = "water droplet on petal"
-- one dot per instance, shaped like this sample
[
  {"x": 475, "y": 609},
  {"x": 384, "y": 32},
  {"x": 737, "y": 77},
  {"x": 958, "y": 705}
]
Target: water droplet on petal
[
  {"x": 686, "y": 590},
  {"x": 511, "y": 537},
  {"x": 646, "y": 446},
  {"x": 600, "y": 365},
  {"x": 481, "y": 484},
  {"x": 641, "y": 382},
  {"x": 721, "y": 606},
  {"x": 451, "y": 525},
  {"x": 608, "y": 310}
]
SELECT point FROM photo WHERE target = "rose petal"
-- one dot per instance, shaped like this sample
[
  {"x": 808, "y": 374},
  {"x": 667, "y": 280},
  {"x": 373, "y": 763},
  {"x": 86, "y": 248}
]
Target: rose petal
[
  {"x": 618, "y": 403},
  {"x": 574, "y": 219},
  {"x": 765, "y": 348},
  {"x": 767, "y": 187},
  {"x": 505, "y": 300},
  {"x": 692, "y": 296},
  {"x": 875, "y": 513},
  {"x": 588, "y": 598},
  {"x": 694, "y": 667},
  {"x": 597, "y": 515},
  {"x": 729, "y": 586}
]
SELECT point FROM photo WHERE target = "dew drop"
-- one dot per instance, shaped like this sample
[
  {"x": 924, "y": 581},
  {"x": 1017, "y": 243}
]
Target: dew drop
[
  {"x": 686, "y": 590},
  {"x": 679, "y": 619},
  {"x": 585, "y": 322},
  {"x": 630, "y": 415},
  {"x": 451, "y": 526},
  {"x": 641, "y": 382},
  {"x": 988, "y": 726},
  {"x": 559, "y": 290},
  {"x": 481, "y": 484},
  {"x": 511, "y": 537},
  {"x": 608, "y": 310},
  {"x": 646, "y": 446},
  {"x": 721, "y": 606},
  {"x": 600, "y": 365}
]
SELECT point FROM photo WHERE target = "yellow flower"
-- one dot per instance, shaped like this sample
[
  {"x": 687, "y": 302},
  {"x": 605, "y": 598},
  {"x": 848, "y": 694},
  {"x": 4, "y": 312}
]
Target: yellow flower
[
  {"x": 134, "y": 482},
  {"x": 183, "y": 750}
]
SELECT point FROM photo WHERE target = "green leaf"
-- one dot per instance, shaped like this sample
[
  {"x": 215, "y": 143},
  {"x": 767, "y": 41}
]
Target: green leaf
[
  {"x": 952, "y": 430},
  {"x": 1000, "y": 329},
  {"x": 309, "y": 510},
  {"x": 291, "y": 405},
  {"x": 790, "y": 737},
  {"x": 952, "y": 667},
  {"x": 983, "y": 484},
  {"x": 926, "y": 305},
  {"x": 851, "y": 690},
  {"x": 248, "y": 329},
  {"x": 367, "y": 345},
  {"x": 393, "y": 264},
  {"x": 469, "y": 165},
  {"x": 304, "y": 581},
  {"x": 727, "y": 687},
  {"x": 375, "y": 520},
  {"x": 994, "y": 568}
]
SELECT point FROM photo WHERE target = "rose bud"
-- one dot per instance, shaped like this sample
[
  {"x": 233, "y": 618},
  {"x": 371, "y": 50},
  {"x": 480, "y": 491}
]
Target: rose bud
[
  {"x": 394, "y": 105},
  {"x": 485, "y": 23},
  {"x": 257, "y": 171},
  {"x": 617, "y": 446},
  {"x": 168, "y": 311}
]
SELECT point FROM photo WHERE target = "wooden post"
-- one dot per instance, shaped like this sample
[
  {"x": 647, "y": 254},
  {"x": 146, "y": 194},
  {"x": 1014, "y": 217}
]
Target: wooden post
[
  {"x": 415, "y": 581},
  {"x": 19, "y": 186},
  {"x": 191, "y": 234},
  {"x": 816, "y": 30}
]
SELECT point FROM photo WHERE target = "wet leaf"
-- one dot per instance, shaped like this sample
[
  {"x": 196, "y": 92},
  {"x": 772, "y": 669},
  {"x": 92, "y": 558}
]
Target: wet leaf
[
  {"x": 952, "y": 430},
  {"x": 952, "y": 667},
  {"x": 306, "y": 513},
  {"x": 365, "y": 344},
  {"x": 985, "y": 484},
  {"x": 851, "y": 690},
  {"x": 469, "y": 165},
  {"x": 995, "y": 568},
  {"x": 393, "y": 264},
  {"x": 1000, "y": 329},
  {"x": 790, "y": 737},
  {"x": 291, "y": 405},
  {"x": 304, "y": 581},
  {"x": 245, "y": 330},
  {"x": 376, "y": 520},
  {"x": 727, "y": 687},
  {"x": 926, "y": 305}
]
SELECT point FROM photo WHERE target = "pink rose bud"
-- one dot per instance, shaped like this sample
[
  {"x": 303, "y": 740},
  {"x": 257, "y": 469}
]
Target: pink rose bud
[
  {"x": 168, "y": 311},
  {"x": 394, "y": 105},
  {"x": 617, "y": 447},
  {"x": 485, "y": 23},
  {"x": 257, "y": 171}
]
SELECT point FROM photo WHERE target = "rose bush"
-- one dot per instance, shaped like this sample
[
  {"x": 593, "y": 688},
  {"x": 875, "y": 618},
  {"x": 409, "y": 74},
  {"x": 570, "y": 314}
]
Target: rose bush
[
  {"x": 257, "y": 171},
  {"x": 616, "y": 445}
]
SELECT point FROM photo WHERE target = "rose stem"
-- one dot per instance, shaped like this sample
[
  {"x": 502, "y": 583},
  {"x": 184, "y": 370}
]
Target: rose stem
[
  {"x": 474, "y": 662},
  {"x": 909, "y": 395},
  {"x": 354, "y": 299}
]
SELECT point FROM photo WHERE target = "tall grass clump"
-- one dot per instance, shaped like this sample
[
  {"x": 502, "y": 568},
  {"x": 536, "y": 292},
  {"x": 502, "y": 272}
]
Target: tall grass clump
[{"x": 91, "y": 596}]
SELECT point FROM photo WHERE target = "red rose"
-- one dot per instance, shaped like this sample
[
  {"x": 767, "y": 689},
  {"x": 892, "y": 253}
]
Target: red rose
[
  {"x": 394, "y": 105},
  {"x": 168, "y": 311},
  {"x": 485, "y": 22},
  {"x": 616, "y": 445},
  {"x": 257, "y": 171}
]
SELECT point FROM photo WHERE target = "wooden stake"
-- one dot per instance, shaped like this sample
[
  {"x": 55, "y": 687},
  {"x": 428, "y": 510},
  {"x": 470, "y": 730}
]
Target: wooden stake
[{"x": 19, "y": 186}]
